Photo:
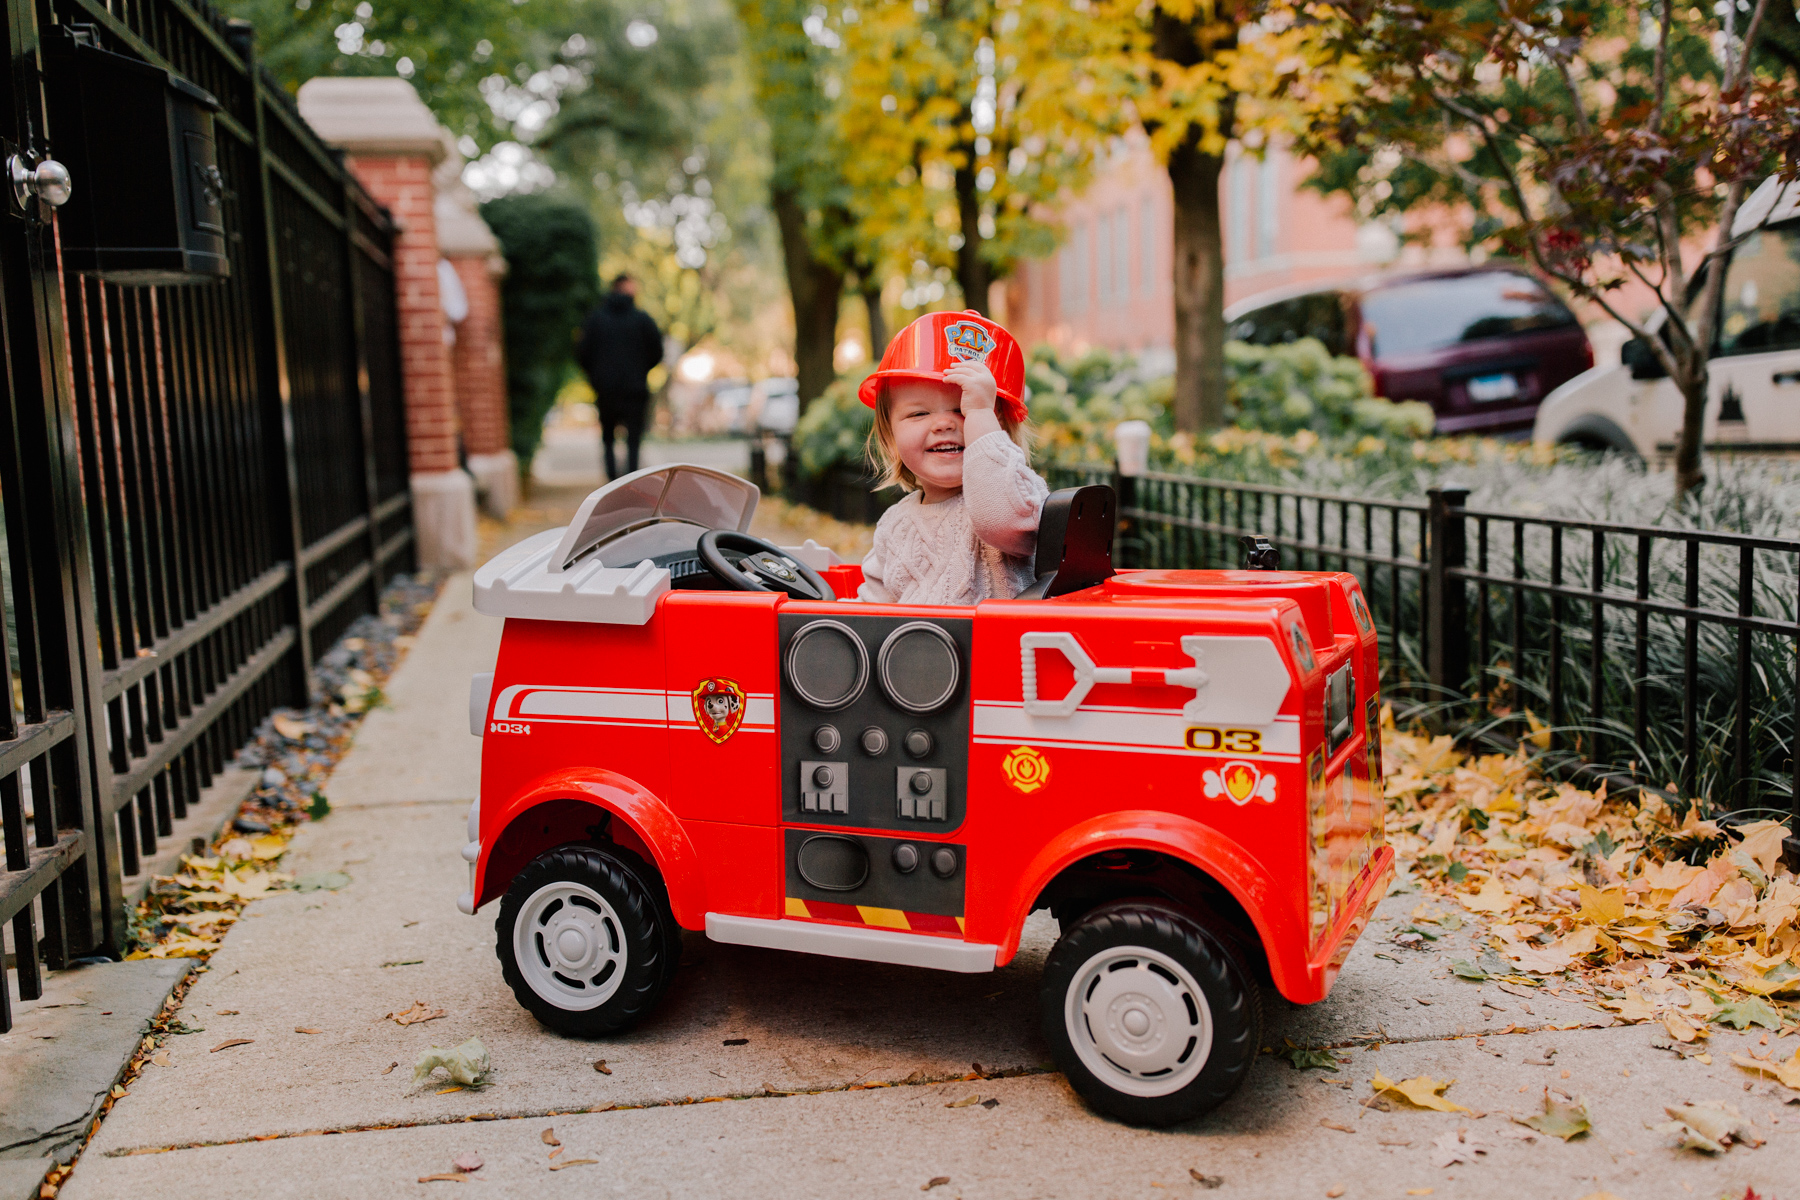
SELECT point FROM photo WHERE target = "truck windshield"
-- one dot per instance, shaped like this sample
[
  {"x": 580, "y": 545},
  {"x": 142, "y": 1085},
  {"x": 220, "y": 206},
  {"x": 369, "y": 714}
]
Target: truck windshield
[{"x": 1429, "y": 314}]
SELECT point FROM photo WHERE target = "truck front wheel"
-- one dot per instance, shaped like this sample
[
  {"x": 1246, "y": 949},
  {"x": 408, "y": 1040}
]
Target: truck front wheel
[
  {"x": 1150, "y": 1014},
  {"x": 582, "y": 942}
]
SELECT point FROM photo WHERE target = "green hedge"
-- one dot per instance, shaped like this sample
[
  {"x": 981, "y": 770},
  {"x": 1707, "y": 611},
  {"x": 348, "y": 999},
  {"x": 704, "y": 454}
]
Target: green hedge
[
  {"x": 552, "y": 280},
  {"x": 1278, "y": 395}
]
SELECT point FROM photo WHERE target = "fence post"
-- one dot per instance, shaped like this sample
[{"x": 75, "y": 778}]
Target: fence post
[
  {"x": 262, "y": 241},
  {"x": 1446, "y": 605}
]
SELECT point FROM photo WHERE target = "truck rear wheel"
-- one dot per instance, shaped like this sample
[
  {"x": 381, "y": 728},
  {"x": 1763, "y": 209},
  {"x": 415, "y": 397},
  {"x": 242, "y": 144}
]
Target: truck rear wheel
[
  {"x": 1150, "y": 1014},
  {"x": 583, "y": 942}
]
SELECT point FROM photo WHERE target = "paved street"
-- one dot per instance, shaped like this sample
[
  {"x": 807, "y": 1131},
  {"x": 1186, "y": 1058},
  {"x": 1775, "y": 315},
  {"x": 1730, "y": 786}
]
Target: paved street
[{"x": 876, "y": 1058}]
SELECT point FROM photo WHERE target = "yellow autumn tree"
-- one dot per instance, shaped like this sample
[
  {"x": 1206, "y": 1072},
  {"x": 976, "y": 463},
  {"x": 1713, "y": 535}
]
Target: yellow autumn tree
[{"x": 962, "y": 119}]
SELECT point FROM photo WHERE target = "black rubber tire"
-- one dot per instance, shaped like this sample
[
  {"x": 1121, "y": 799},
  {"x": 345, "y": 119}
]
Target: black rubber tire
[
  {"x": 1230, "y": 990},
  {"x": 650, "y": 954}
]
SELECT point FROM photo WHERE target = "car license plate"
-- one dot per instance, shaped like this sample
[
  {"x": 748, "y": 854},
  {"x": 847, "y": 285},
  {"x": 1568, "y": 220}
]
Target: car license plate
[{"x": 1485, "y": 388}]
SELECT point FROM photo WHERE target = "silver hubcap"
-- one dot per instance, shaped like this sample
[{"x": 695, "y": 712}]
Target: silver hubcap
[
  {"x": 1138, "y": 1021},
  {"x": 570, "y": 946}
]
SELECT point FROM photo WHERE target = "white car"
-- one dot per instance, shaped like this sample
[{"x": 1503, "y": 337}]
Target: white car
[{"x": 1754, "y": 403}]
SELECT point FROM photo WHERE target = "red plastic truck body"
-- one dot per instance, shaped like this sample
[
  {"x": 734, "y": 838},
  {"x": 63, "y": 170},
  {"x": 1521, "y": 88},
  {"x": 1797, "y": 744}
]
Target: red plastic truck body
[{"x": 1227, "y": 725}]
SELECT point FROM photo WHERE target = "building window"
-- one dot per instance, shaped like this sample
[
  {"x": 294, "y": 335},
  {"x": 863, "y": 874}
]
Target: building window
[
  {"x": 1073, "y": 272},
  {"x": 1237, "y": 207},
  {"x": 1149, "y": 242},
  {"x": 1268, "y": 208},
  {"x": 1122, "y": 256}
]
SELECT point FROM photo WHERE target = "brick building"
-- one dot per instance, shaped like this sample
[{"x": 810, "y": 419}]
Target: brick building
[
  {"x": 1109, "y": 284},
  {"x": 447, "y": 292}
]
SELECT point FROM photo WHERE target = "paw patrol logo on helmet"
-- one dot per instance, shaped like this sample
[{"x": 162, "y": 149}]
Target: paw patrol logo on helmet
[{"x": 968, "y": 342}]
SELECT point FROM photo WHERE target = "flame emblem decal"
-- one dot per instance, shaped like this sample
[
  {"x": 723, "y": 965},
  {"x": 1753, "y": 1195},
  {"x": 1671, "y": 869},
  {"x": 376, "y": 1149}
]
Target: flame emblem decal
[{"x": 1240, "y": 782}]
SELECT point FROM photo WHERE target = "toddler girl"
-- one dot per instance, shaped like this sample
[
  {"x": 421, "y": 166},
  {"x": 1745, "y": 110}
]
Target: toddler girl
[{"x": 953, "y": 435}]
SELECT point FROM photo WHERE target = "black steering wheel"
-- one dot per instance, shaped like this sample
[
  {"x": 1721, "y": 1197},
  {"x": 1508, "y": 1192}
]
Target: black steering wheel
[{"x": 749, "y": 564}]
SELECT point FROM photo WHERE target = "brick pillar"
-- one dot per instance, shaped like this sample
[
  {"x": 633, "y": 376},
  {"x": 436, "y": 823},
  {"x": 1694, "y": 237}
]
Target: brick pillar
[
  {"x": 477, "y": 358},
  {"x": 392, "y": 144}
]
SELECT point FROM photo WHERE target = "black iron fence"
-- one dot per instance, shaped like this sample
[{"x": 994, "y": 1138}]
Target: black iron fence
[
  {"x": 1666, "y": 654},
  {"x": 202, "y": 483}
]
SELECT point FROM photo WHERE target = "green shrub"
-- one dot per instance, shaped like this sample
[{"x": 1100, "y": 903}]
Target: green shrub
[
  {"x": 552, "y": 280},
  {"x": 834, "y": 430}
]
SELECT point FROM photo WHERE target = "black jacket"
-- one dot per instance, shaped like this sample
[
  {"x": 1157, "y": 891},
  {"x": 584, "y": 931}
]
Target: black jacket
[{"x": 619, "y": 344}]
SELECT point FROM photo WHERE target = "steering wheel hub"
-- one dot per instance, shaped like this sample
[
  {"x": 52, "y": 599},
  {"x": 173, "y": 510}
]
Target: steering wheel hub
[{"x": 749, "y": 564}]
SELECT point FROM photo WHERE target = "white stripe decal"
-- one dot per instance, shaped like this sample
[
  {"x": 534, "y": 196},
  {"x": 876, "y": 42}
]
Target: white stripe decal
[
  {"x": 759, "y": 710},
  {"x": 594, "y": 706},
  {"x": 618, "y": 706},
  {"x": 1127, "y": 729}
]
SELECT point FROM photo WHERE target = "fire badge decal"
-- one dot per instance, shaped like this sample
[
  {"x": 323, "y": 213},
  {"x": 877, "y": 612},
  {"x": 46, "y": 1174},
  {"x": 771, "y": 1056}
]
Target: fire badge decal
[
  {"x": 719, "y": 707},
  {"x": 1242, "y": 782},
  {"x": 1025, "y": 768},
  {"x": 968, "y": 342}
]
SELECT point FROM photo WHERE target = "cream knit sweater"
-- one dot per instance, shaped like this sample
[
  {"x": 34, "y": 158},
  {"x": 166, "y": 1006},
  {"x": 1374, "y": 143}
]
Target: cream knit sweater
[{"x": 971, "y": 547}]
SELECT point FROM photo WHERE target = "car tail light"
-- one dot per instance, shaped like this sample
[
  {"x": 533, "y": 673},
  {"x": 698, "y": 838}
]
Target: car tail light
[{"x": 1587, "y": 352}]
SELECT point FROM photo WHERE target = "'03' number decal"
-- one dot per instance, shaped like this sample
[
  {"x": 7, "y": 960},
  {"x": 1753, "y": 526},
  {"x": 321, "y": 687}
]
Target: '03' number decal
[{"x": 1226, "y": 741}]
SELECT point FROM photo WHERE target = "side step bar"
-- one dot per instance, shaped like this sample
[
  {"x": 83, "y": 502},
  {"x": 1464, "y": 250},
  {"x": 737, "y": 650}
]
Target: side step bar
[{"x": 844, "y": 941}]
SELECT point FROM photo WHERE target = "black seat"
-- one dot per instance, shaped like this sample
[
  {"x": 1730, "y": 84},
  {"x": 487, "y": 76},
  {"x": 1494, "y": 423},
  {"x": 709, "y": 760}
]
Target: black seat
[{"x": 1074, "y": 542}]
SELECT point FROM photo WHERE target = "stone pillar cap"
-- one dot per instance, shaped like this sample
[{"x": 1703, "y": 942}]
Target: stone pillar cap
[
  {"x": 461, "y": 233},
  {"x": 372, "y": 115}
]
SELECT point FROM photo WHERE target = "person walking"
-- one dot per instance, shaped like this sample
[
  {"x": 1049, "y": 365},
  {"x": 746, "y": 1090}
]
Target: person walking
[{"x": 618, "y": 346}]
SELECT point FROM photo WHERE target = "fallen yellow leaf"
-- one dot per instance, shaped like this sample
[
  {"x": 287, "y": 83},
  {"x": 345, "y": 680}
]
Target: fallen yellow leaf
[
  {"x": 1493, "y": 897},
  {"x": 1787, "y": 1073},
  {"x": 1421, "y": 1091}
]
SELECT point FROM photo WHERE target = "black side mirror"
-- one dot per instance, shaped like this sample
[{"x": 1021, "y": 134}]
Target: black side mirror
[
  {"x": 1644, "y": 364},
  {"x": 1259, "y": 554}
]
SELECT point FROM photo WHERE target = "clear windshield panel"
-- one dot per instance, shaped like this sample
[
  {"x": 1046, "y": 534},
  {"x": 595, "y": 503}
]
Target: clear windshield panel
[
  {"x": 677, "y": 538},
  {"x": 1761, "y": 309},
  {"x": 710, "y": 500},
  {"x": 694, "y": 497},
  {"x": 1430, "y": 314}
]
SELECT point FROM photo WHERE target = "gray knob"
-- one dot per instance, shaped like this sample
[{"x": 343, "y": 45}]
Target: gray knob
[
  {"x": 906, "y": 858},
  {"x": 920, "y": 783},
  {"x": 874, "y": 741},
  {"x": 822, "y": 776},
  {"x": 826, "y": 738},
  {"x": 943, "y": 862},
  {"x": 49, "y": 181},
  {"x": 918, "y": 743}
]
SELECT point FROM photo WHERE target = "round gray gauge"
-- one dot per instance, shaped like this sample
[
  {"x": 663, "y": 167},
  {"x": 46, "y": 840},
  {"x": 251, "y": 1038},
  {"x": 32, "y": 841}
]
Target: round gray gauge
[
  {"x": 919, "y": 668},
  {"x": 827, "y": 665}
]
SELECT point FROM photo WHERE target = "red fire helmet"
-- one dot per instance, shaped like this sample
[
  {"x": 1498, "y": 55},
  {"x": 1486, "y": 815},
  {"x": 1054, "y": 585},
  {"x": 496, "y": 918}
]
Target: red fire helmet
[{"x": 938, "y": 341}]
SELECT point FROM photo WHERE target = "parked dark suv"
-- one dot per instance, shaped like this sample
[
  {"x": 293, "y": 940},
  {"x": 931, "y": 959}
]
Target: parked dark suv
[{"x": 1481, "y": 345}]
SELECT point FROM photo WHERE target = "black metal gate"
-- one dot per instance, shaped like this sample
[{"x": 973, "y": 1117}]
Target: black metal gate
[{"x": 202, "y": 485}]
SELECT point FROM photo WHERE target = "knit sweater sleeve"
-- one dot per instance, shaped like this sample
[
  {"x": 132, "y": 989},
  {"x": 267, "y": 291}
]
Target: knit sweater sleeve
[
  {"x": 876, "y": 567},
  {"x": 1004, "y": 495}
]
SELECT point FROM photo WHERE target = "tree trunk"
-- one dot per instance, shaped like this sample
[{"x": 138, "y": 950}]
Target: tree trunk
[
  {"x": 816, "y": 289},
  {"x": 972, "y": 274},
  {"x": 870, "y": 289},
  {"x": 1199, "y": 288},
  {"x": 1690, "y": 471}
]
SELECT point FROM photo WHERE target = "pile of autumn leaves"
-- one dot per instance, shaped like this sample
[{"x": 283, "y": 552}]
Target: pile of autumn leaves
[{"x": 1650, "y": 915}]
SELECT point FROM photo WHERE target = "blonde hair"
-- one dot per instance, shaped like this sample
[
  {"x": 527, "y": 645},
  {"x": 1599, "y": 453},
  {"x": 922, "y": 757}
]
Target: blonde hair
[{"x": 883, "y": 451}]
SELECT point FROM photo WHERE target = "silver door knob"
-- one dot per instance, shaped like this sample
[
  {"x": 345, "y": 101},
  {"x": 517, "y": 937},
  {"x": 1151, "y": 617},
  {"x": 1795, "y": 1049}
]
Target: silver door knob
[{"x": 48, "y": 181}]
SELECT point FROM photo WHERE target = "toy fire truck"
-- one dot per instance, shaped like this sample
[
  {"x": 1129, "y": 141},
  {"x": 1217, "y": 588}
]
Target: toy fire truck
[{"x": 690, "y": 728}]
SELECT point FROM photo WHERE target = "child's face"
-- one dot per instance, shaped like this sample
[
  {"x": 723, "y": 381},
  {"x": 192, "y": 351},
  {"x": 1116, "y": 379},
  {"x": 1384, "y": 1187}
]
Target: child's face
[{"x": 928, "y": 432}]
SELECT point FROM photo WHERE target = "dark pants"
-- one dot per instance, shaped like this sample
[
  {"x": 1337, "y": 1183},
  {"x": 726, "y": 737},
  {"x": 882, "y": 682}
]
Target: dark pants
[{"x": 630, "y": 413}]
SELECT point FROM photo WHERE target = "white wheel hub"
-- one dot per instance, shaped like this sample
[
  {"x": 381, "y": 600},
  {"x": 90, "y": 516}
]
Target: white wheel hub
[
  {"x": 570, "y": 946},
  {"x": 1138, "y": 1021}
]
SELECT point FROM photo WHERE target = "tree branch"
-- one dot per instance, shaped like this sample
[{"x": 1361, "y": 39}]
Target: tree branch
[{"x": 1661, "y": 86}]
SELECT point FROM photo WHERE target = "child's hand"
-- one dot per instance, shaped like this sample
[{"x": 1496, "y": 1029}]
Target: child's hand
[{"x": 977, "y": 384}]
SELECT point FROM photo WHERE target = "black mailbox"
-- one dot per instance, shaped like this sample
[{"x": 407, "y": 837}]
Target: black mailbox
[{"x": 148, "y": 201}]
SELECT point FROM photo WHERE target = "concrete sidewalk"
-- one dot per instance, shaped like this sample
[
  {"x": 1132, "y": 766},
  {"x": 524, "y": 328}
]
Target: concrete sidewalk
[{"x": 244, "y": 1118}]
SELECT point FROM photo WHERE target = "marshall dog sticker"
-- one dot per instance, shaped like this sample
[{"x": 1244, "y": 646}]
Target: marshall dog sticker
[
  {"x": 719, "y": 707},
  {"x": 968, "y": 342}
]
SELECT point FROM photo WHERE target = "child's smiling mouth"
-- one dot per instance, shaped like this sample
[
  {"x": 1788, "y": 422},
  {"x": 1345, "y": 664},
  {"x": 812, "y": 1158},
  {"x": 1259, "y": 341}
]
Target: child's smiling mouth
[{"x": 950, "y": 448}]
